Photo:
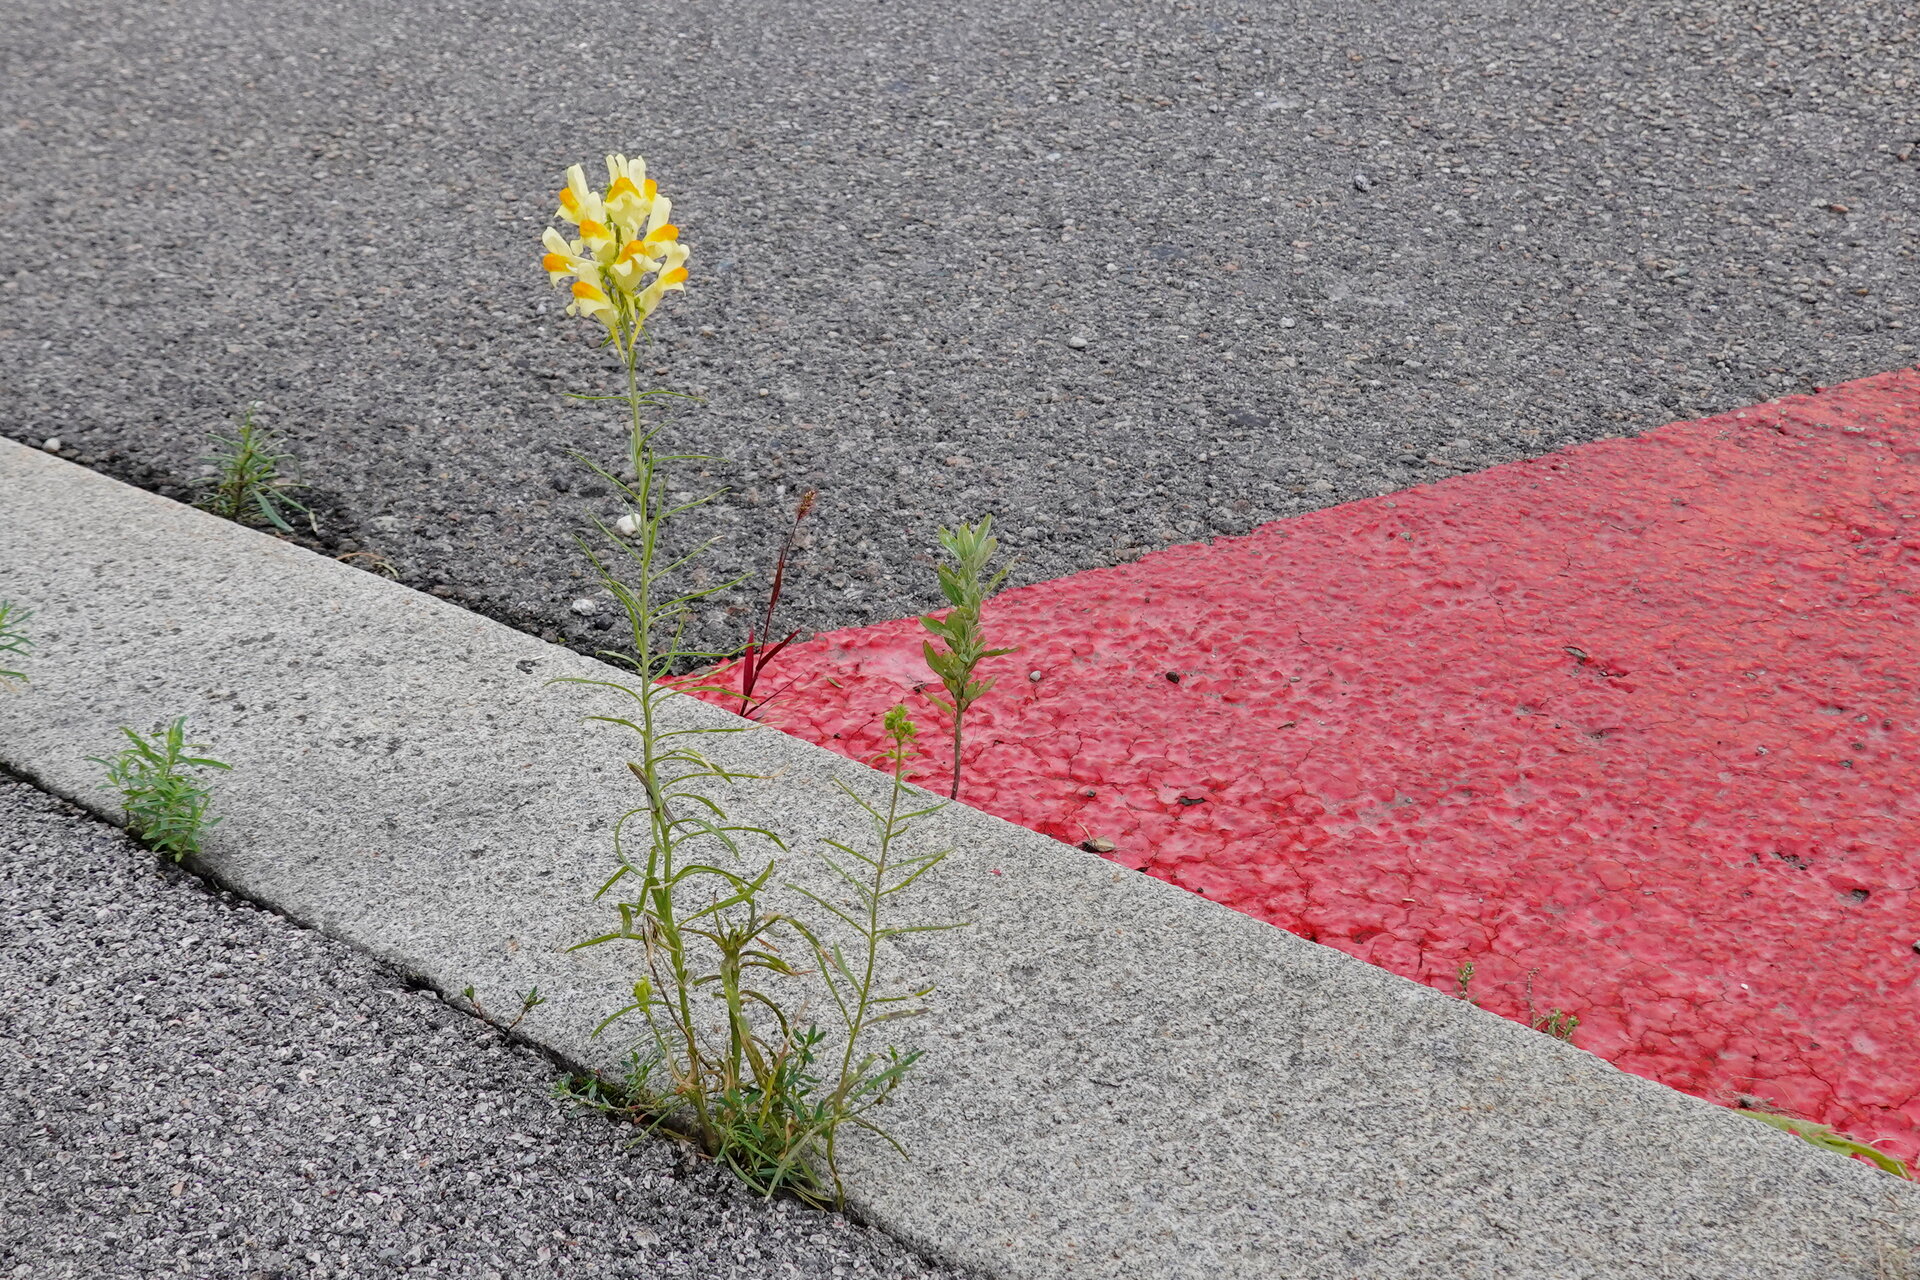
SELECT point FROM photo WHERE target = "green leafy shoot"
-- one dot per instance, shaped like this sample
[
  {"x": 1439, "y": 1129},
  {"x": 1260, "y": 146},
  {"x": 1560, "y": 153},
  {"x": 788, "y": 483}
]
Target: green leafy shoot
[
  {"x": 853, "y": 975},
  {"x": 966, "y": 582},
  {"x": 1554, "y": 1022},
  {"x": 161, "y": 793},
  {"x": 1463, "y": 984},
  {"x": 248, "y": 485},
  {"x": 1828, "y": 1139},
  {"x": 13, "y": 641},
  {"x": 1560, "y": 1026}
]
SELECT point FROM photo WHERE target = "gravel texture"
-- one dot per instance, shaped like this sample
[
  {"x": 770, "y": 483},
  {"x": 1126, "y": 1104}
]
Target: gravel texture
[
  {"x": 1124, "y": 275},
  {"x": 191, "y": 1085}
]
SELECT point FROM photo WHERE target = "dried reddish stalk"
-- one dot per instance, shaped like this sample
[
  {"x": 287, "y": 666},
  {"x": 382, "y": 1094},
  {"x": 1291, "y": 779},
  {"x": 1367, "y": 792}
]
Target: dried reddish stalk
[{"x": 758, "y": 653}]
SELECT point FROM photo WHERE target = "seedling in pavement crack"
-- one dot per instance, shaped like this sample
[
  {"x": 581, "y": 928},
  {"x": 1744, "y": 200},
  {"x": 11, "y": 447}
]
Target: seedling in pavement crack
[
  {"x": 1555, "y": 1023},
  {"x": 13, "y": 641},
  {"x": 529, "y": 1001},
  {"x": 247, "y": 485},
  {"x": 966, "y": 585},
  {"x": 161, "y": 793},
  {"x": 724, "y": 1057}
]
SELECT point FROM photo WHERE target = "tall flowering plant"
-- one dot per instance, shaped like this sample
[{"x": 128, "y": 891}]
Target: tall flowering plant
[{"x": 722, "y": 1058}]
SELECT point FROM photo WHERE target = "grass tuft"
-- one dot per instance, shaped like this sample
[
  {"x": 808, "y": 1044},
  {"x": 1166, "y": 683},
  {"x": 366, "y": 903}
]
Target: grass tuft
[{"x": 248, "y": 485}]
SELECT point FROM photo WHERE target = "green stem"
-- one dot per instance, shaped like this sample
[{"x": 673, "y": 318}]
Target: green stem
[
  {"x": 660, "y": 865},
  {"x": 856, "y": 1024},
  {"x": 958, "y": 712}
]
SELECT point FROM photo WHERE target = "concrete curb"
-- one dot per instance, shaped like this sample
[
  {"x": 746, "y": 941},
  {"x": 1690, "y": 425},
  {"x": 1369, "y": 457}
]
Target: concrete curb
[{"x": 1122, "y": 1080}]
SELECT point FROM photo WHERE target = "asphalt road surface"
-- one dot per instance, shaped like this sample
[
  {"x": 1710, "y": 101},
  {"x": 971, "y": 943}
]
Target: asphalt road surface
[{"x": 1313, "y": 252}]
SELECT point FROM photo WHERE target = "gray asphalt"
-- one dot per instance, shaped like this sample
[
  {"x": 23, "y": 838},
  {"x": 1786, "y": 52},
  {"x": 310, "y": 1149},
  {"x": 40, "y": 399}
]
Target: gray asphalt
[
  {"x": 190, "y": 1085},
  {"x": 1315, "y": 252}
]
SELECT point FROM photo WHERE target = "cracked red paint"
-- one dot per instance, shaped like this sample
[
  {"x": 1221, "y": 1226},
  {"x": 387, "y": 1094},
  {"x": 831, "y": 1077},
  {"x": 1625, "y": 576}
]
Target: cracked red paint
[{"x": 1639, "y": 719}]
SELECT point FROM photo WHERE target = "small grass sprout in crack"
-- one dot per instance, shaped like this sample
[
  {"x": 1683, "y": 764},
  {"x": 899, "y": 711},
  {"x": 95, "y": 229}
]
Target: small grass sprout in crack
[
  {"x": 164, "y": 799},
  {"x": 1826, "y": 1137},
  {"x": 14, "y": 642},
  {"x": 724, "y": 1054},
  {"x": 966, "y": 583},
  {"x": 248, "y": 485}
]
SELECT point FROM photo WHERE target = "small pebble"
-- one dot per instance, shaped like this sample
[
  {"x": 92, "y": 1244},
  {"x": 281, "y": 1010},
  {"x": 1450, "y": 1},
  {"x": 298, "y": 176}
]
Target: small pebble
[
  {"x": 626, "y": 527},
  {"x": 1287, "y": 322},
  {"x": 1077, "y": 343},
  {"x": 51, "y": 444},
  {"x": 1361, "y": 182},
  {"x": 1036, "y": 676},
  {"x": 585, "y": 606}
]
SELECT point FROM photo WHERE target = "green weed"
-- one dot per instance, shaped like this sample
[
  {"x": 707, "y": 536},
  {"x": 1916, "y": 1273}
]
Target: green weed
[
  {"x": 161, "y": 794},
  {"x": 1554, "y": 1022},
  {"x": 13, "y": 641},
  {"x": 248, "y": 485},
  {"x": 1826, "y": 1138},
  {"x": 966, "y": 585},
  {"x": 1560, "y": 1026}
]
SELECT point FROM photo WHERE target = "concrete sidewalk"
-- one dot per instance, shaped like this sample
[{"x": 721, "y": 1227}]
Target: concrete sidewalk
[{"x": 1122, "y": 1079}]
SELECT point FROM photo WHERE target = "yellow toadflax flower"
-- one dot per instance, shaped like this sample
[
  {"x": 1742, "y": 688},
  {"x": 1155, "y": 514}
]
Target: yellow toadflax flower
[
  {"x": 628, "y": 256},
  {"x": 577, "y": 199},
  {"x": 563, "y": 259},
  {"x": 591, "y": 300},
  {"x": 630, "y": 192}
]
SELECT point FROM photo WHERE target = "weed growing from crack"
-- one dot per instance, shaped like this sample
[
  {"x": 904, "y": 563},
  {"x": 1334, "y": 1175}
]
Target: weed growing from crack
[
  {"x": 966, "y": 584},
  {"x": 13, "y": 641},
  {"x": 529, "y": 1001},
  {"x": 247, "y": 485},
  {"x": 725, "y": 1057},
  {"x": 852, "y": 977},
  {"x": 163, "y": 798},
  {"x": 1554, "y": 1022},
  {"x": 371, "y": 561}
]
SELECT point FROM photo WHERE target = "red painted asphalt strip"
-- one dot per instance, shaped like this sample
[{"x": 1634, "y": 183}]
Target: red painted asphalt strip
[{"x": 1634, "y": 728}]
